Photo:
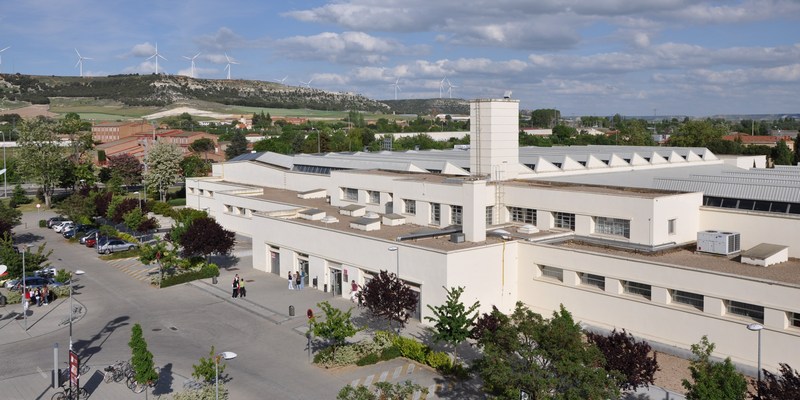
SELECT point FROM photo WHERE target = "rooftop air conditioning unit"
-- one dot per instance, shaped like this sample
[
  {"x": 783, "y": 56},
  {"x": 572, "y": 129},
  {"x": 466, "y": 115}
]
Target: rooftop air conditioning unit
[{"x": 716, "y": 242}]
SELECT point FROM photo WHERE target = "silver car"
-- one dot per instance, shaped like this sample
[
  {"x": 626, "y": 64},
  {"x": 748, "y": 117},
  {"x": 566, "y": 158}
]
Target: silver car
[{"x": 114, "y": 245}]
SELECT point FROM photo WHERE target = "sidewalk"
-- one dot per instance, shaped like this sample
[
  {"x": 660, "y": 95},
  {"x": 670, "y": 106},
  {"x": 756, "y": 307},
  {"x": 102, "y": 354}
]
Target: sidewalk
[{"x": 41, "y": 320}]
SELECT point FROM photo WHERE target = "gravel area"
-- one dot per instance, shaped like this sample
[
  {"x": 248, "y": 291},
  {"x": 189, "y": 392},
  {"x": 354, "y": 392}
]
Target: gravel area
[{"x": 672, "y": 371}]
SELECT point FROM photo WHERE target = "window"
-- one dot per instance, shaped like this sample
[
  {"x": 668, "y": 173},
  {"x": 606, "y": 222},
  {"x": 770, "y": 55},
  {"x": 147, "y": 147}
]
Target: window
[
  {"x": 436, "y": 213},
  {"x": 612, "y": 226},
  {"x": 593, "y": 280},
  {"x": 564, "y": 220},
  {"x": 351, "y": 194},
  {"x": 671, "y": 226},
  {"x": 410, "y": 206},
  {"x": 637, "y": 289},
  {"x": 524, "y": 215},
  {"x": 489, "y": 215},
  {"x": 456, "y": 215},
  {"x": 691, "y": 299},
  {"x": 374, "y": 196},
  {"x": 746, "y": 310},
  {"x": 552, "y": 273},
  {"x": 794, "y": 319},
  {"x": 228, "y": 208}
]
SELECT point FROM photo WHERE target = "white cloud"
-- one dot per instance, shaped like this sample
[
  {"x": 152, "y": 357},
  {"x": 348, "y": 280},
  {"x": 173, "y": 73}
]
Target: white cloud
[
  {"x": 345, "y": 47},
  {"x": 141, "y": 50},
  {"x": 225, "y": 39}
]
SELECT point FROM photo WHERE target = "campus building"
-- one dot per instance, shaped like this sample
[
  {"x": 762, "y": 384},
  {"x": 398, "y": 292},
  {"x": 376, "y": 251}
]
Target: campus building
[{"x": 667, "y": 243}]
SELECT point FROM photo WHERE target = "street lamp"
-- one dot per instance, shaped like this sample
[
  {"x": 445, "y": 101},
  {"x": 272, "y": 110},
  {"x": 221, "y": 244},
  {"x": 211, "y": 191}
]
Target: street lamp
[
  {"x": 140, "y": 199},
  {"x": 757, "y": 328},
  {"x": 228, "y": 355},
  {"x": 25, "y": 304},
  {"x": 71, "y": 308},
  {"x": 397, "y": 264}
]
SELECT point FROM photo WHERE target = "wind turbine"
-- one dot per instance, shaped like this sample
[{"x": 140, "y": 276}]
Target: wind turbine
[
  {"x": 80, "y": 61},
  {"x": 450, "y": 87},
  {"x": 307, "y": 84},
  {"x": 228, "y": 67},
  {"x": 1, "y": 57},
  {"x": 156, "y": 56},
  {"x": 441, "y": 86},
  {"x": 396, "y": 86},
  {"x": 192, "y": 60},
  {"x": 282, "y": 80}
]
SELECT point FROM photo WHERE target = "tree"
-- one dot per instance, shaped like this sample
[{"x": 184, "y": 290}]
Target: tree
[
  {"x": 136, "y": 220},
  {"x": 12, "y": 258},
  {"x": 40, "y": 156},
  {"x": 206, "y": 369},
  {"x": 781, "y": 155},
  {"x": 77, "y": 208},
  {"x": 203, "y": 145},
  {"x": 383, "y": 391},
  {"x": 337, "y": 327},
  {"x": 486, "y": 323},
  {"x": 452, "y": 320},
  {"x": 194, "y": 166},
  {"x": 547, "y": 358},
  {"x": 18, "y": 195},
  {"x": 545, "y": 118},
  {"x": 697, "y": 134},
  {"x": 631, "y": 358},
  {"x": 388, "y": 297},
  {"x": 163, "y": 167},
  {"x": 785, "y": 386},
  {"x": 9, "y": 218},
  {"x": 144, "y": 370},
  {"x": 713, "y": 380},
  {"x": 205, "y": 237},
  {"x": 237, "y": 146},
  {"x": 126, "y": 167}
]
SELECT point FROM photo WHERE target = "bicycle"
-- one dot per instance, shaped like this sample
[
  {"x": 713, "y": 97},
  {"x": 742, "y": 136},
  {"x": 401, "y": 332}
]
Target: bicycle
[
  {"x": 137, "y": 387},
  {"x": 67, "y": 393},
  {"x": 117, "y": 371}
]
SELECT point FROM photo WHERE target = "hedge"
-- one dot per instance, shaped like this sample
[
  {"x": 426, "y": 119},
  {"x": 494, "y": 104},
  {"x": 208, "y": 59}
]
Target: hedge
[{"x": 206, "y": 271}]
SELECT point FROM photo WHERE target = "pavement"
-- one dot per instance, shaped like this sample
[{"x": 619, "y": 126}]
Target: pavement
[{"x": 268, "y": 300}]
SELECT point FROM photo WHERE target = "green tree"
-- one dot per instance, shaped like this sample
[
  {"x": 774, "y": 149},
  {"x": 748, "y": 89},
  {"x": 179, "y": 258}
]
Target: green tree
[
  {"x": 126, "y": 167},
  {"x": 78, "y": 208},
  {"x": 13, "y": 259},
  {"x": 163, "y": 167},
  {"x": 9, "y": 218},
  {"x": 545, "y": 118},
  {"x": 203, "y": 145},
  {"x": 195, "y": 166},
  {"x": 563, "y": 132},
  {"x": 40, "y": 156},
  {"x": 781, "y": 155},
  {"x": 237, "y": 146},
  {"x": 713, "y": 380},
  {"x": 547, "y": 358},
  {"x": 337, "y": 327},
  {"x": 141, "y": 358},
  {"x": 18, "y": 196},
  {"x": 697, "y": 134},
  {"x": 452, "y": 321},
  {"x": 206, "y": 369}
]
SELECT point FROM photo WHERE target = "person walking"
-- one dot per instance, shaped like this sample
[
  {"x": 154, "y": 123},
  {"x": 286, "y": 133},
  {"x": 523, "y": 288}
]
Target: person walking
[
  {"x": 46, "y": 294},
  {"x": 291, "y": 279},
  {"x": 235, "y": 286},
  {"x": 302, "y": 279},
  {"x": 37, "y": 296},
  {"x": 353, "y": 291},
  {"x": 242, "y": 290},
  {"x": 297, "y": 280}
]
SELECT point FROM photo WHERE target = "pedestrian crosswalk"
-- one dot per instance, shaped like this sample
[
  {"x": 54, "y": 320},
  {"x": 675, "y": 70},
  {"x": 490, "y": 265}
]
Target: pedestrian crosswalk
[
  {"x": 133, "y": 267},
  {"x": 408, "y": 372}
]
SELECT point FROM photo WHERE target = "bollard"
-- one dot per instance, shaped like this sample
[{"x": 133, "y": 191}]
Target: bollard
[
  {"x": 214, "y": 280},
  {"x": 314, "y": 282},
  {"x": 291, "y": 311}
]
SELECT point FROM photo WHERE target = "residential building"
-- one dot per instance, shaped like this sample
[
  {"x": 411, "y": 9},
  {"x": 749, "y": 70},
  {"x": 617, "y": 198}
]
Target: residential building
[
  {"x": 110, "y": 131},
  {"x": 616, "y": 234}
]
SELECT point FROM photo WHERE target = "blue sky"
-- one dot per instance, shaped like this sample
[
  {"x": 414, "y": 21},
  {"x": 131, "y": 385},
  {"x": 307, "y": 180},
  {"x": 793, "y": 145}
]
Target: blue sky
[{"x": 598, "y": 57}]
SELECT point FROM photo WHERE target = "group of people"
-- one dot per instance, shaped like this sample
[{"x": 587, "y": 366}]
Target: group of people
[
  {"x": 238, "y": 287},
  {"x": 41, "y": 296},
  {"x": 296, "y": 280}
]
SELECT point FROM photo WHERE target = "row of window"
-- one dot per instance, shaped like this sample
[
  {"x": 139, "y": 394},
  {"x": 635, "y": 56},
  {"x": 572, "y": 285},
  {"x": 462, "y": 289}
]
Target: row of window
[
  {"x": 752, "y": 205},
  {"x": 694, "y": 300}
]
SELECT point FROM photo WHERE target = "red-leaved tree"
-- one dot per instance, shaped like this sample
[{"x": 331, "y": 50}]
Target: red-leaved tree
[
  {"x": 782, "y": 386},
  {"x": 624, "y": 354},
  {"x": 388, "y": 297},
  {"x": 205, "y": 237}
]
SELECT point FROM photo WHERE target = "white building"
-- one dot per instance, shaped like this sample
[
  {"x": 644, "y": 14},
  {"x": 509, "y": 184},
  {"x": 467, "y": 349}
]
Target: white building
[{"x": 607, "y": 231}]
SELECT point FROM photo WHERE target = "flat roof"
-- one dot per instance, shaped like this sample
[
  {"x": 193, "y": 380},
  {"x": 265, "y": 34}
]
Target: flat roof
[
  {"x": 589, "y": 188},
  {"x": 786, "y": 272}
]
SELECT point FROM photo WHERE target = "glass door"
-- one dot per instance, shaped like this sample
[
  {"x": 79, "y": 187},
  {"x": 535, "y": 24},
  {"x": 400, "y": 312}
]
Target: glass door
[{"x": 336, "y": 282}]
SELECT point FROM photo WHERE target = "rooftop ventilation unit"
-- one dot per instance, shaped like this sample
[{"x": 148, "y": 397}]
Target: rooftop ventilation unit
[{"x": 715, "y": 242}]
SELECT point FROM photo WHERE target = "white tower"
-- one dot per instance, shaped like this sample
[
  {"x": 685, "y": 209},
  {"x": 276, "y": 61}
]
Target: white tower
[{"x": 494, "y": 138}]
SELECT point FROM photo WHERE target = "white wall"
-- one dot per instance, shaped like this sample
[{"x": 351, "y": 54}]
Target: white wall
[{"x": 755, "y": 227}]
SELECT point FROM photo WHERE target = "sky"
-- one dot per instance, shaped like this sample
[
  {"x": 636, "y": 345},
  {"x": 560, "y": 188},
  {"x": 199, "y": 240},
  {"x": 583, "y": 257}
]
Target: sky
[{"x": 583, "y": 57}]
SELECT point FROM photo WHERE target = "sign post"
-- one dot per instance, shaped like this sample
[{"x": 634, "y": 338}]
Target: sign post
[{"x": 74, "y": 368}]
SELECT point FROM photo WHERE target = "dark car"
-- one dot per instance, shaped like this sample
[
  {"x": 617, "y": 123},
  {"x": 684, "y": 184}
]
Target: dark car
[
  {"x": 33, "y": 282},
  {"x": 76, "y": 231}
]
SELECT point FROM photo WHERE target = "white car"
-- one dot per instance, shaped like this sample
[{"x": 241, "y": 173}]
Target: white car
[{"x": 66, "y": 225}]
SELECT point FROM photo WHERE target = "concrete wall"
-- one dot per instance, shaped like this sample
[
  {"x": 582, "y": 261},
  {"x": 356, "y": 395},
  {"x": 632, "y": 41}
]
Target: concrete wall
[
  {"x": 755, "y": 227},
  {"x": 660, "y": 319}
]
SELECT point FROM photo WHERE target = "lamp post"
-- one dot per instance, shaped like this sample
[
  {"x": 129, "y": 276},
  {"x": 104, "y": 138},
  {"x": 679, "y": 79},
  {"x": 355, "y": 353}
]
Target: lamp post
[
  {"x": 140, "y": 199},
  {"x": 5, "y": 171},
  {"x": 71, "y": 308},
  {"x": 228, "y": 355},
  {"x": 25, "y": 304},
  {"x": 397, "y": 263},
  {"x": 757, "y": 328}
]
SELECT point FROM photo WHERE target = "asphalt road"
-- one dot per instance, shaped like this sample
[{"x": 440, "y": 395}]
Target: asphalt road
[{"x": 180, "y": 325}]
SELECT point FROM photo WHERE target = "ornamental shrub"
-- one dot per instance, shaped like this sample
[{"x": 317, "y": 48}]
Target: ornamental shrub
[
  {"x": 206, "y": 271},
  {"x": 411, "y": 349},
  {"x": 439, "y": 360}
]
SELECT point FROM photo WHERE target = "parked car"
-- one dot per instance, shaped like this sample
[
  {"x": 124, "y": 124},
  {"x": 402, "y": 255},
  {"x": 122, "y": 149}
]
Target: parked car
[
  {"x": 55, "y": 220},
  {"x": 114, "y": 245},
  {"x": 33, "y": 282},
  {"x": 76, "y": 230},
  {"x": 64, "y": 225},
  {"x": 94, "y": 241},
  {"x": 89, "y": 234}
]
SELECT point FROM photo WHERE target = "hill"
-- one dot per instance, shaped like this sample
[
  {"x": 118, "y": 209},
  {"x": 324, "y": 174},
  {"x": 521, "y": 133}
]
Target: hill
[
  {"x": 161, "y": 90},
  {"x": 428, "y": 106}
]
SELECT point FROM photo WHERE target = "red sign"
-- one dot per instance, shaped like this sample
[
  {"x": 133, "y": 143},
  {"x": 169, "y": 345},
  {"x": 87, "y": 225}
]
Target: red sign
[
  {"x": 74, "y": 367},
  {"x": 310, "y": 313}
]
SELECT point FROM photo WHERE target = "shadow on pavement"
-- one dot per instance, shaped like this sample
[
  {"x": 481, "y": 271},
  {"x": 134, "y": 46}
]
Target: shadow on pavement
[
  {"x": 27, "y": 237},
  {"x": 165, "y": 380},
  {"x": 90, "y": 347}
]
